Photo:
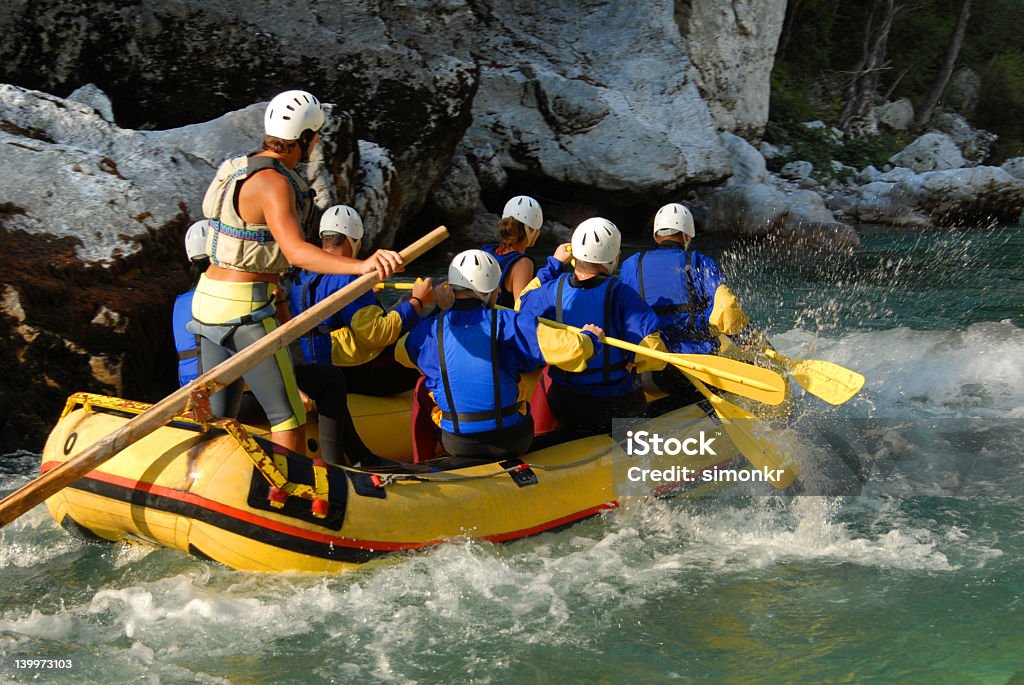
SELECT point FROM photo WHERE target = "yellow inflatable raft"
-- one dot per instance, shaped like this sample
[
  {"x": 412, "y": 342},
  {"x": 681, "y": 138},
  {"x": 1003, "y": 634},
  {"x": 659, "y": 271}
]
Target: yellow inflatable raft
[{"x": 211, "y": 490}]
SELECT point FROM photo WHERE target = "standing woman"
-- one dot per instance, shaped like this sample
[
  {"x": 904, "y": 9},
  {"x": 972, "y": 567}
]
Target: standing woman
[
  {"x": 518, "y": 230},
  {"x": 259, "y": 209}
]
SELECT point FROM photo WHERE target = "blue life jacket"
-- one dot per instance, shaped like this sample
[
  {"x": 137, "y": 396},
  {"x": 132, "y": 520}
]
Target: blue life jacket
[
  {"x": 487, "y": 396},
  {"x": 506, "y": 262},
  {"x": 606, "y": 373},
  {"x": 308, "y": 289},
  {"x": 680, "y": 286},
  {"x": 185, "y": 342}
]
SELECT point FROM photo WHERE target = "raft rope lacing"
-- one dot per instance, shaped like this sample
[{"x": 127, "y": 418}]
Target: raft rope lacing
[
  {"x": 385, "y": 479},
  {"x": 381, "y": 480}
]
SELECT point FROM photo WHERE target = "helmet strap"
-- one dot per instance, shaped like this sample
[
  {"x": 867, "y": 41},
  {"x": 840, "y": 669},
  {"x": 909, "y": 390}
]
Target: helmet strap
[
  {"x": 531, "y": 236},
  {"x": 304, "y": 141}
]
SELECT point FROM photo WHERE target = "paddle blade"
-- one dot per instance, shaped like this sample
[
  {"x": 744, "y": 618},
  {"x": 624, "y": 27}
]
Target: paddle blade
[
  {"x": 738, "y": 425},
  {"x": 833, "y": 383},
  {"x": 745, "y": 380}
]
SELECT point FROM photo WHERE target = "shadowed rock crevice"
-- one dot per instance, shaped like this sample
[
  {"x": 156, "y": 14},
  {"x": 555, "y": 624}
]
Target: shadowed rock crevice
[{"x": 67, "y": 326}]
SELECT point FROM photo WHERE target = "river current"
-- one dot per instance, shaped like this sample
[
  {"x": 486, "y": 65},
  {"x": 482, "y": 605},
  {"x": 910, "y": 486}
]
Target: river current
[{"x": 919, "y": 579}]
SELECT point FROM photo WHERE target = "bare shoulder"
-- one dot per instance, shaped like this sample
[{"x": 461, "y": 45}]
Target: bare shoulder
[
  {"x": 523, "y": 266},
  {"x": 264, "y": 194},
  {"x": 267, "y": 181}
]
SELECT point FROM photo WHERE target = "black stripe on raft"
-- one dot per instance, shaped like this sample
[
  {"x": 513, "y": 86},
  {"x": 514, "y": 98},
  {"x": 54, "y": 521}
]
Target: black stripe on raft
[{"x": 292, "y": 543}]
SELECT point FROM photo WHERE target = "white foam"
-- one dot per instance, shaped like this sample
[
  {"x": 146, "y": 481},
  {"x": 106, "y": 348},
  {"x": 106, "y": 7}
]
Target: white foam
[
  {"x": 39, "y": 625},
  {"x": 975, "y": 372},
  {"x": 32, "y": 539}
]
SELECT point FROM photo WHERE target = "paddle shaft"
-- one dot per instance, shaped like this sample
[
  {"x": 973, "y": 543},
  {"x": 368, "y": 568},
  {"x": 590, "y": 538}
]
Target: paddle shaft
[
  {"x": 27, "y": 497},
  {"x": 759, "y": 453}
]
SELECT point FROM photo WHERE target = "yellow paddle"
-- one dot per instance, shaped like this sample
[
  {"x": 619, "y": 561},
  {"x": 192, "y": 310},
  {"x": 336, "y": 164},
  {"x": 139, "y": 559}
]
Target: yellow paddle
[
  {"x": 746, "y": 380},
  {"x": 220, "y": 376},
  {"x": 831, "y": 382},
  {"x": 739, "y": 425}
]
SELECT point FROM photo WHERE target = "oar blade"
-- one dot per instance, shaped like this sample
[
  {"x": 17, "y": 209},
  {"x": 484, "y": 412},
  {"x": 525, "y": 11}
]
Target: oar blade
[
  {"x": 746, "y": 380},
  {"x": 739, "y": 424},
  {"x": 833, "y": 383}
]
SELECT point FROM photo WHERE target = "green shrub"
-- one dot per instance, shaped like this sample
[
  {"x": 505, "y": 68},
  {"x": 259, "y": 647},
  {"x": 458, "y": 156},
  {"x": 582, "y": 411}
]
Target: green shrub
[
  {"x": 791, "y": 98},
  {"x": 1001, "y": 103},
  {"x": 871, "y": 150},
  {"x": 819, "y": 147}
]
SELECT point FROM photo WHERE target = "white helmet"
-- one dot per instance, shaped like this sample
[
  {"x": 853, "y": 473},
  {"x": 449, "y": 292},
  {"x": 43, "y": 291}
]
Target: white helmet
[
  {"x": 475, "y": 270},
  {"x": 597, "y": 241},
  {"x": 291, "y": 113},
  {"x": 673, "y": 218},
  {"x": 525, "y": 209},
  {"x": 195, "y": 240},
  {"x": 344, "y": 220}
]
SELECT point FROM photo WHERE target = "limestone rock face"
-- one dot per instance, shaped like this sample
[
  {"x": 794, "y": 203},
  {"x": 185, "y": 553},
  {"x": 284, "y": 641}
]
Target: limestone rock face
[
  {"x": 732, "y": 46},
  {"x": 748, "y": 165},
  {"x": 1014, "y": 167},
  {"x": 797, "y": 170},
  {"x": 85, "y": 180},
  {"x": 972, "y": 196},
  {"x": 975, "y": 196},
  {"x": 895, "y": 116},
  {"x": 620, "y": 100},
  {"x": 975, "y": 144},
  {"x": 91, "y": 95},
  {"x": 593, "y": 95},
  {"x": 169, "y": 63},
  {"x": 931, "y": 152},
  {"x": 963, "y": 90}
]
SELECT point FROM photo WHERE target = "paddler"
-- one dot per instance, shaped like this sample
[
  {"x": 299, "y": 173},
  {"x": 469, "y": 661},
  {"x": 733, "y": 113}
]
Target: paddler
[
  {"x": 473, "y": 357},
  {"x": 608, "y": 387},
  {"x": 259, "y": 208},
  {"x": 518, "y": 230},
  {"x": 687, "y": 292},
  {"x": 186, "y": 343},
  {"x": 361, "y": 337}
]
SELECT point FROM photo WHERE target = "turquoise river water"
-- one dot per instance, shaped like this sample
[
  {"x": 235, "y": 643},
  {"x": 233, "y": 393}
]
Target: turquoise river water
[{"x": 919, "y": 579}]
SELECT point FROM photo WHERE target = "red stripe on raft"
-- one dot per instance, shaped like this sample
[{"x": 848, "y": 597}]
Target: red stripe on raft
[
  {"x": 502, "y": 537},
  {"x": 294, "y": 531},
  {"x": 242, "y": 515}
]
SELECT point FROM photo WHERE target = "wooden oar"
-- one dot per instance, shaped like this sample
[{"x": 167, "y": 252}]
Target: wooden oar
[
  {"x": 746, "y": 380},
  {"x": 831, "y": 382},
  {"x": 28, "y": 496},
  {"x": 739, "y": 426}
]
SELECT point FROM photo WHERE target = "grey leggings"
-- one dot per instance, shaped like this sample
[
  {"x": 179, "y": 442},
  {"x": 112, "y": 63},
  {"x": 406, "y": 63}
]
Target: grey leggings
[{"x": 272, "y": 381}]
